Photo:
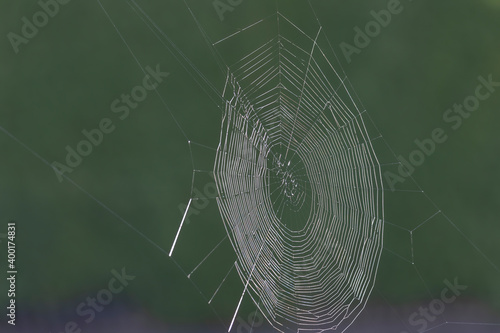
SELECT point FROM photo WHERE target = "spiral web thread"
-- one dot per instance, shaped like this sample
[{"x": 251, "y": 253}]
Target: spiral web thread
[
  {"x": 284, "y": 102},
  {"x": 299, "y": 186}
]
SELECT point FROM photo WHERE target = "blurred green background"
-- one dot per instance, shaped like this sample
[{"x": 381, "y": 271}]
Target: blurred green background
[{"x": 66, "y": 77}]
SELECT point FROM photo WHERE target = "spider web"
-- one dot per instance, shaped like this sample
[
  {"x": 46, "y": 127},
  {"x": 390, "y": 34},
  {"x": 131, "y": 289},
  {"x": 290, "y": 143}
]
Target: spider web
[
  {"x": 297, "y": 171},
  {"x": 299, "y": 185}
]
